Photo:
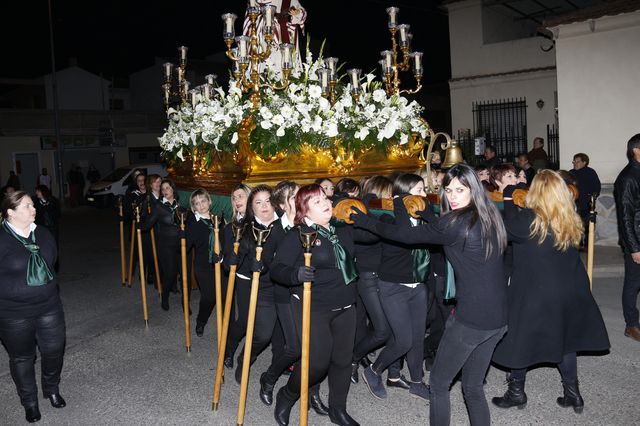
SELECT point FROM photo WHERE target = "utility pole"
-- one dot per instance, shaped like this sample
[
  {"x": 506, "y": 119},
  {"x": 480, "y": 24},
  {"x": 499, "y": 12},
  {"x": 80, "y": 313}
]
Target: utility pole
[{"x": 56, "y": 109}]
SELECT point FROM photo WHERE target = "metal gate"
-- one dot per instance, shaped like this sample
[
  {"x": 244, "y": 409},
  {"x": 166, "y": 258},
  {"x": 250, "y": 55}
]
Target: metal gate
[
  {"x": 553, "y": 145},
  {"x": 504, "y": 125}
]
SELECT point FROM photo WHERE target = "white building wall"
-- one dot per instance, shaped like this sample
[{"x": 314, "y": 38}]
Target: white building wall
[
  {"x": 532, "y": 86},
  {"x": 599, "y": 90}
]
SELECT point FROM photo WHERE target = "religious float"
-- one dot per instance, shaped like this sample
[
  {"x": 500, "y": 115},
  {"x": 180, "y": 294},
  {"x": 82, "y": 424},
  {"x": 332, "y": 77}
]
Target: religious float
[{"x": 287, "y": 117}]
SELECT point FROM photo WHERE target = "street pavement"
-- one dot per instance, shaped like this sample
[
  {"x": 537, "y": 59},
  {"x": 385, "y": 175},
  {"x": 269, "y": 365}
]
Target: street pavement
[{"x": 118, "y": 372}]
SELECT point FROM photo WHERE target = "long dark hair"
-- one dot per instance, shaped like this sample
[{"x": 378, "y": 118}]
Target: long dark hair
[
  {"x": 249, "y": 215},
  {"x": 480, "y": 208},
  {"x": 404, "y": 183}
]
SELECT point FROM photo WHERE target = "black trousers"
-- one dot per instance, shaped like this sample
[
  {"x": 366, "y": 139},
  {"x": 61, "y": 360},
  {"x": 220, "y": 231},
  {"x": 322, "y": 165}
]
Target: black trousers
[
  {"x": 20, "y": 338},
  {"x": 238, "y": 324},
  {"x": 406, "y": 311},
  {"x": 380, "y": 331},
  {"x": 437, "y": 314},
  {"x": 291, "y": 350},
  {"x": 330, "y": 352},
  {"x": 168, "y": 257},
  {"x": 207, "y": 286},
  {"x": 630, "y": 290}
]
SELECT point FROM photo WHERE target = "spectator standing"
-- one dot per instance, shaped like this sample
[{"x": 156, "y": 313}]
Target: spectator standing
[
  {"x": 13, "y": 181},
  {"x": 588, "y": 184},
  {"x": 538, "y": 156},
  {"x": 44, "y": 178},
  {"x": 525, "y": 164},
  {"x": 490, "y": 157},
  {"x": 93, "y": 175},
  {"x": 627, "y": 195}
]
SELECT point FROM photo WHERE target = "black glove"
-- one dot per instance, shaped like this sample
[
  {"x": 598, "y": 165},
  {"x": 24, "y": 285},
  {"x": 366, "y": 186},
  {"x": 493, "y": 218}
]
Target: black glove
[
  {"x": 426, "y": 215},
  {"x": 361, "y": 219},
  {"x": 257, "y": 266},
  {"x": 182, "y": 234},
  {"x": 217, "y": 258},
  {"x": 231, "y": 259},
  {"x": 304, "y": 274},
  {"x": 507, "y": 192}
]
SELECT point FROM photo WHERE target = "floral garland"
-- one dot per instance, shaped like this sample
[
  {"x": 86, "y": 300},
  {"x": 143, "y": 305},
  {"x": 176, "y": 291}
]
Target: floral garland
[{"x": 290, "y": 118}]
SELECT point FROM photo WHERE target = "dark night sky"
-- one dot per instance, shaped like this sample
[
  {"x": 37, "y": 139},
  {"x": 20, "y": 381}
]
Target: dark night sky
[{"x": 117, "y": 37}]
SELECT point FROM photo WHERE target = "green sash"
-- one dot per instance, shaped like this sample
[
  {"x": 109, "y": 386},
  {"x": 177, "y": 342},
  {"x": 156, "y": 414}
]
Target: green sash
[
  {"x": 211, "y": 237},
  {"x": 450, "y": 284},
  {"x": 38, "y": 272},
  {"x": 421, "y": 263},
  {"x": 344, "y": 261}
]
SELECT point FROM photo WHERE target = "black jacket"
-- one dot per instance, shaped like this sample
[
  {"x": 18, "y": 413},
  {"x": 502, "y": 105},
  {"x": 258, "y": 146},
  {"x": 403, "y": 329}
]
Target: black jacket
[{"x": 627, "y": 194}]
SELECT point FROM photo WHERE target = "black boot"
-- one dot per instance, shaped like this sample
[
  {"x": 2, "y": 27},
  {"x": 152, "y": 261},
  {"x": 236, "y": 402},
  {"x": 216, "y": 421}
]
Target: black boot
[
  {"x": 284, "y": 404},
  {"x": 354, "y": 372},
  {"x": 339, "y": 416},
  {"x": 572, "y": 397},
  {"x": 266, "y": 389},
  {"x": 316, "y": 403},
  {"x": 513, "y": 397},
  {"x": 32, "y": 414}
]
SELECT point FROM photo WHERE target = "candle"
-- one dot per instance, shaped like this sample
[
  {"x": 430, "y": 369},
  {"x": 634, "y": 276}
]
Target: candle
[
  {"x": 409, "y": 39},
  {"x": 193, "y": 94},
  {"x": 183, "y": 53},
  {"x": 167, "y": 92},
  {"x": 387, "y": 55},
  {"x": 229, "y": 25},
  {"x": 168, "y": 69},
  {"x": 211, "y": 78},
  {"x": 253, "y": 3},
  {"x": 287, "y": 62},
  {"x": 354, "y": 75},
  {"x": 417, "y": 63},
  {"x": 331, "y": 64},
  {"x": 393, "y": 16},
  {"x": 404, "y": 30},
  {"x": 324, "y": 79},
  {"x": 242, "y": 46},
  {"x": 268, "y": 11},
  {"x": 185, "y": 86},
  {"x": 207, "y": 91}
]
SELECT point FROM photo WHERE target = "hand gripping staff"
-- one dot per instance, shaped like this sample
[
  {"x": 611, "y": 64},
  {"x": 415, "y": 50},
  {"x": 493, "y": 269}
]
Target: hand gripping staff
[
  {"x": 218, "y": 278},
  {"x": 143, "y": 285},
  {"x": 132, "y": 248},
  {"x": 260, "y": 235},
  {"x": 155, "y": 252},
  {"x": 185, "y": 287},
  {"x": 308, "y": 240},
  {"x": 237, "y": 230},
  {"x": 592, "y": 237},
  {"x": 123, "y": 262}
]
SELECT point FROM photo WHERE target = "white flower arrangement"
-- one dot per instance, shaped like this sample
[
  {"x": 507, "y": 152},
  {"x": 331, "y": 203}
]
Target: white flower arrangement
[{"x": 297, "y": 115}]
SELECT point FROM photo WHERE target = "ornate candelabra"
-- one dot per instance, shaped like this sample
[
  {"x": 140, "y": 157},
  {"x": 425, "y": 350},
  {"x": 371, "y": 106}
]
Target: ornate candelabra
[
  {"x": 250, "y": 55},
  {"x": 389, "y": 64},
  {"x": 176, "y": 90}
]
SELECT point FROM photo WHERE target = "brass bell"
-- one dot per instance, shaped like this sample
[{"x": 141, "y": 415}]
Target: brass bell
[{"x": 453, "y": 154}]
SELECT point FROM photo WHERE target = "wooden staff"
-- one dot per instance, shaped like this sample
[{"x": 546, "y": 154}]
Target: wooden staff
[
  {"x": 218, "y": 278},
  {"x": 222, "y": 346},
  {"x": 154, "y": 250},
  {"x": 132, "y": 247},
  {"x": 260, "y": 235},
  {"x": 143, "y": 286},
  {"x": 308, "y": 240},
  {"x": 591, "y": 238},
  {"x": 123, "y": 262},
  {"x": 185, "y": 286}
]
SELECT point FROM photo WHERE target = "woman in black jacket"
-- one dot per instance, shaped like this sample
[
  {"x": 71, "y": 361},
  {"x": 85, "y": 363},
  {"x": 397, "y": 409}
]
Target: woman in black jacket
[
  {"x": 166, "y": 217},
  {"x": 552, "y": 313},
  {"x": 31, "y": 311},
  {"x": 473, "y": 235},
  {"x": 332, "y": 309},
  {"x": 200, "y": 236}
]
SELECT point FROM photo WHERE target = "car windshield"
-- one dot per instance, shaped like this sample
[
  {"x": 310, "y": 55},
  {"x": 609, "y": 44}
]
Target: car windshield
[{"x": 116, "y": 175}]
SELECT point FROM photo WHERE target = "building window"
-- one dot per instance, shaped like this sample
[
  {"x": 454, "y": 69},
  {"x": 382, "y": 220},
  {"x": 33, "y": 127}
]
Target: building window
[{"x": 503, "y": 123}]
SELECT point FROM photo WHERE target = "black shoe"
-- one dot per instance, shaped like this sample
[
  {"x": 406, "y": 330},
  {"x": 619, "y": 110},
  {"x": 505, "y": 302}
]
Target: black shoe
[
  {"x": 341, "y": 417},
  {"x": 354, "y": 372},
  {"x": 57, "y": 401},
  {"x": 32, "y": 414},
  {"x": 199, "y": 330},
  {"x": 283, "y": 408},
  {"x": 400, "y": 382},
  {"x": 228, "y": 361},
  {"x": 571, "y": 397},
  {"x": 165, "y": 305},
  {"x": 266, "y": 390},
  {"x": 513, "y": 397},
  {"x": 365, "y": 362},
  {"x": 318, "y": 406}
]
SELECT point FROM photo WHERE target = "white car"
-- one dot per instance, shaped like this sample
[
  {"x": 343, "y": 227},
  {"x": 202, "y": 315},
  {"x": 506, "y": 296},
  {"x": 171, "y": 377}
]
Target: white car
[{"x": 104, "y": 192}]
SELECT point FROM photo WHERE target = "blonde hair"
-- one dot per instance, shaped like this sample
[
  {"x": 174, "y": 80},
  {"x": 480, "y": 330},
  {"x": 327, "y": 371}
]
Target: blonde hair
[{"x": 555, "y": 212}]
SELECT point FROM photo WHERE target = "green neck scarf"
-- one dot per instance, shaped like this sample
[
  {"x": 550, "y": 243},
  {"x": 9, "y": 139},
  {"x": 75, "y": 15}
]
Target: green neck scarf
[
  {"x": 211, "y": 237},
  {"x": 38, "y": 272},
  {"x": 421, "y": 263},
  {"x": 450, "y": 284},
  {"x": 344, "y": 261}
]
